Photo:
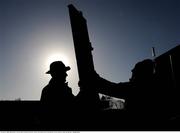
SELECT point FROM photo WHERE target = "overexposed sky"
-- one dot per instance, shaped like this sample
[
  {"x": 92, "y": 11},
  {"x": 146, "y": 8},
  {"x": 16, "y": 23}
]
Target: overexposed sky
[{"x": 35, "y": 32}]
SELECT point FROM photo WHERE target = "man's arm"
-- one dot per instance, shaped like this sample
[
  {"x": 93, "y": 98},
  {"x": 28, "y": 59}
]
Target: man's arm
[{"x": 119, "y": 90}]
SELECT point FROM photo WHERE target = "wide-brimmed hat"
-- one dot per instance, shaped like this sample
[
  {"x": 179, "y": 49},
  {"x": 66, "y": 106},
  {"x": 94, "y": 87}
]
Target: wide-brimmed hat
[{"x": 58, "y": 66}]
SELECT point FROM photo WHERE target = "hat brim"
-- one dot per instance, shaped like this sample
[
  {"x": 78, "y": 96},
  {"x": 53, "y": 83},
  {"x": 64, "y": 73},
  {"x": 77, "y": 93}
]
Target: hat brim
[
  {"x": 65, "y": 69},
  {"x": 48, "y": 72}
]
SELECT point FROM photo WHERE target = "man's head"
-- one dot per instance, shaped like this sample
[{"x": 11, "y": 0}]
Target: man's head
[
  {"x": 143, "y": 70},
  {"x": 58, "y": 70}
]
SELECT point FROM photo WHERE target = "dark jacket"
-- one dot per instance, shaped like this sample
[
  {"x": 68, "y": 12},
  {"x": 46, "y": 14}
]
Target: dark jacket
[{"x": 57, "y": 93}]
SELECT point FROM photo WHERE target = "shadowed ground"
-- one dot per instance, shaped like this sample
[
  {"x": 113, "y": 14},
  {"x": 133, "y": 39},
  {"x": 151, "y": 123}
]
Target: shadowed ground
[{"x": 30, "y": 115}]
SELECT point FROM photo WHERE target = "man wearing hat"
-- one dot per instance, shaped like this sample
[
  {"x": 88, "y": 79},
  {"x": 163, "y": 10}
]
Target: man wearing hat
[
  {"x": 56, "y": 98},
  {"x": 57, "y": 91},
  {"x": 139, "y": 92}
]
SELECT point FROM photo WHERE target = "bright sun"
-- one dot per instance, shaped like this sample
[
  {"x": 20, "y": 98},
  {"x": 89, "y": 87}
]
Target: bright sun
[{"x": 57, "y": 57}]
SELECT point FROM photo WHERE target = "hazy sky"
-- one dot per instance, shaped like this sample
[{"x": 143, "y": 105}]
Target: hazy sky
[{"x": 122, "y": 32}]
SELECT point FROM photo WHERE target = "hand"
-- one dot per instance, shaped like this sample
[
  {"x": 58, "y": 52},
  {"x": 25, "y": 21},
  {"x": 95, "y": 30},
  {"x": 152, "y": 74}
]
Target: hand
[
  {"x": 95, "y": 76},
  {"x": 92, "y": 81}
]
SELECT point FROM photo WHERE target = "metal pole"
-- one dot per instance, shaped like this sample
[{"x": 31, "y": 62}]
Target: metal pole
[
  {"x": 172, "y": 71},
  {"x": 154, "y": 56}
]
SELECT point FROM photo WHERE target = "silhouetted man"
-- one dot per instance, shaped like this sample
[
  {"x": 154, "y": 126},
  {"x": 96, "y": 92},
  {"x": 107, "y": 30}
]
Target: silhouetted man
[
  {"x": 57, "y": 98},
  {"x": 139, "y": 92},
  {"x": 57, "y": 91}
]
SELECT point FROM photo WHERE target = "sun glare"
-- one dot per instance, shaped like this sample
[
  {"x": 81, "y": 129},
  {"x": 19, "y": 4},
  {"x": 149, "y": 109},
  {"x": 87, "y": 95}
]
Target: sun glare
[{"x": 57, "y": 57}]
